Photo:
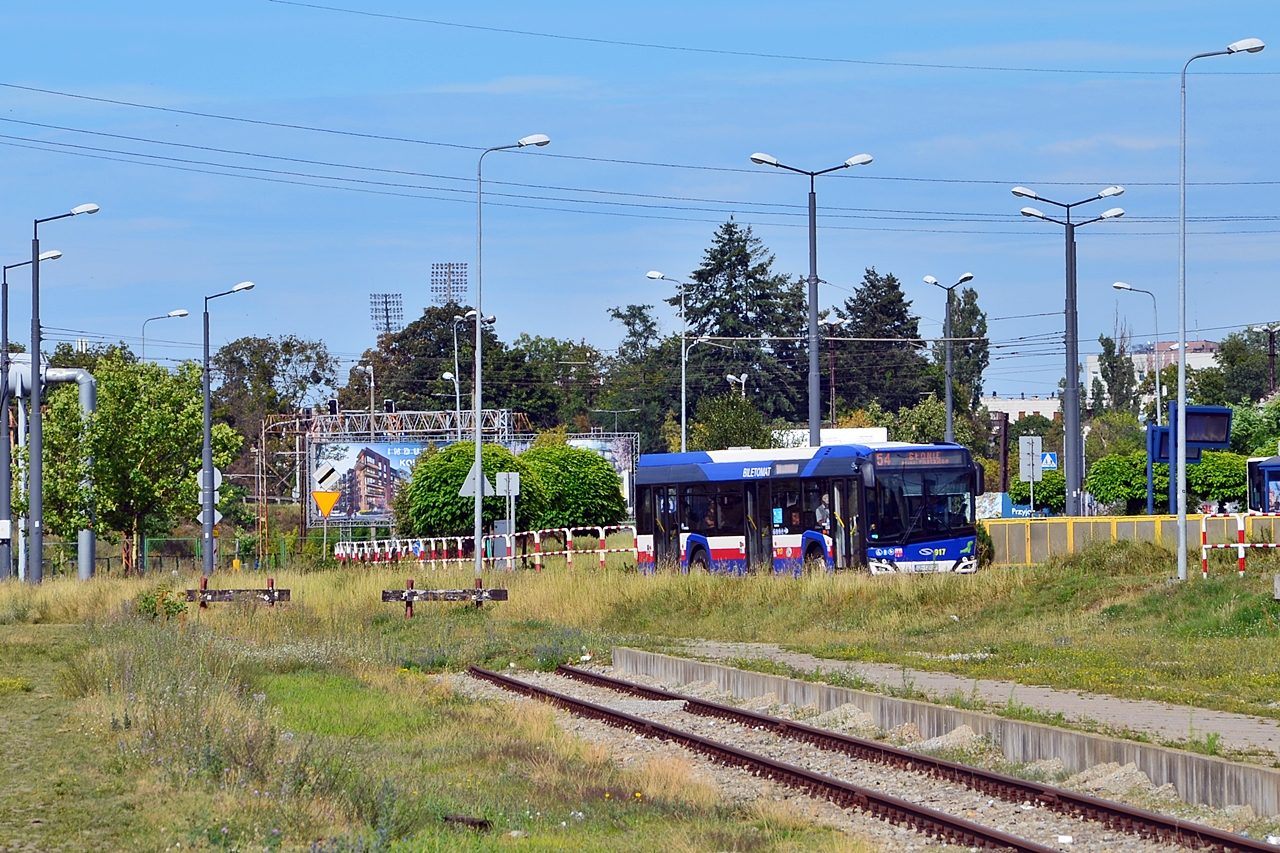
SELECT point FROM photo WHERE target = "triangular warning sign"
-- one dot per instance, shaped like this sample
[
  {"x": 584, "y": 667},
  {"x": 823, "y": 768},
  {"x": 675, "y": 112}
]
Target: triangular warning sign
[
  {"x": 325, "y": 501},
  {"x": 475, "y": 475}
]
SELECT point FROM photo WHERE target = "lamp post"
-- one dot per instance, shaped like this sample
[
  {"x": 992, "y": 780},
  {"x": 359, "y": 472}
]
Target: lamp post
[
  {"x": 946, "y": 333},
  {"x": 181, "y": 312},
  {"x": 206, "y": 465},
  {"x": 457, "y": 392},
  {"x": 6, "y": 452},
  {"x": 35, "y": 495},
  {"x": 815, "y": 382},
  {"x": 740, "y": 381},
  {"x": 1243, "y": 46},
  {"x": 537, "y": 140},
  {"x": 450, "y": 376},
  {"x": 684, "y": 357},
  {"x": 1155, "y": 318},
  {"x": 1072, "y": 441}
]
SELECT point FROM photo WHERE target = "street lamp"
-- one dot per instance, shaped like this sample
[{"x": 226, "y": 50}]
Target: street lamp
[
  {"x": 1155, "y": 316},
  {"x": 181, "y": 312},
  {"x": 536, "y": 140},
  {"x": 1243, "y": 46},
  {"x": 35, "y": 543},
  {"x": 946, "y": 333},
  {"x": 815, "y": 384},
  {"x": 206, "y": 465},
  {"x": 368, "y": 369},
  {"x": 6, "y": 451},
  {"x": 740, "y": 381},
  {"x": 654, "y": 275},
  {"x": 1072, "y": 441}
]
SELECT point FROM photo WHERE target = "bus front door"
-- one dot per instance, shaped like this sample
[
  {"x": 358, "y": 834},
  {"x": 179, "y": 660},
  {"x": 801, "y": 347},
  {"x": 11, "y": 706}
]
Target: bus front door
[
  {"x": 759, "y": 532},
  {"x": 666, "y": 526}
]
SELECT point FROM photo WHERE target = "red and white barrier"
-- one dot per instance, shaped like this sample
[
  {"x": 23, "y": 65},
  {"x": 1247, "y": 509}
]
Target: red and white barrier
[
  {"x": 445, "y": 551},
  {"x": 1240, "y": 546}
]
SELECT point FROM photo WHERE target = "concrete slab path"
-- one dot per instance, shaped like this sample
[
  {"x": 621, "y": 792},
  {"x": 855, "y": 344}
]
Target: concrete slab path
[{"x": 1170, "y": 722}]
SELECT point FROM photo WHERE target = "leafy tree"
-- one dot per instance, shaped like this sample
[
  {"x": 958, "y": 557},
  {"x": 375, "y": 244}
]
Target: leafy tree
[
  {"x": 969, "y": 359},
  {"x": 1051, "y": 492},
  {"x": 1220, "y": 477},
  {"x": 1122, "y": 478},
  {"x": 644, "y": 374},
  {"x": 926, "y": 422},
  {"x": 1255, "y": 429},
  {"x": 66, "y": 355},
  {"x": 433, "y": 508},
  {"x": 1118, "y": 375},
  {"x": 1050, "y": 432},
  {"x": 1242, "y": 358},
  {"x": 583, "y": 490},
  {"x": 256, "y": 377},
  {"x": 145, "y": 441},
  {"x": 67, "y": 497},
  {"x": 552, "y": 381},
  {"x": 728, "y": 421},
  {"x": 736, "y": 294},
  {"x": 890, "y": 370},
  {"x": 1114, "y": 432}
]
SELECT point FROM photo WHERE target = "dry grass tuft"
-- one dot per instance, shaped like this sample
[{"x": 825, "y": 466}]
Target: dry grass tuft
[{"x": 673, "y": 779}]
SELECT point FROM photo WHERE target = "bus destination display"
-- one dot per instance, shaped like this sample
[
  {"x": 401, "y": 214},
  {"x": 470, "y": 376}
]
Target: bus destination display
[{"x": 921, "y": 458}]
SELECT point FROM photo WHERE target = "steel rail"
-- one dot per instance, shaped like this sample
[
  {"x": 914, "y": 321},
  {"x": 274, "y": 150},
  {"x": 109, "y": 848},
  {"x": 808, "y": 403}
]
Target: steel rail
[
  {"x": 1114, "y": 815},
  {"x": 890, "y": 809}
]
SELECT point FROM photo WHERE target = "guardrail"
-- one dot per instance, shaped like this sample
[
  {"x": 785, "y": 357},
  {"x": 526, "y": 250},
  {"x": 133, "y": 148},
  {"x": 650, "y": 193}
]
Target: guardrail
[{"x": 1027, "y": 541}]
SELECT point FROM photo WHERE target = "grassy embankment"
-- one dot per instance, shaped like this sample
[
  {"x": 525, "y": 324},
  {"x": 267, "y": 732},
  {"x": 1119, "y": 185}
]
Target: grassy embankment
[{"x": 316, "y": 720}]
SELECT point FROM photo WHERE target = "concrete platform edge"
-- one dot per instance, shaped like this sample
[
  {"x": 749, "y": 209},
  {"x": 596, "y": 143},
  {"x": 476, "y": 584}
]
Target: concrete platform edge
[{"x": 1198, "y": 779}]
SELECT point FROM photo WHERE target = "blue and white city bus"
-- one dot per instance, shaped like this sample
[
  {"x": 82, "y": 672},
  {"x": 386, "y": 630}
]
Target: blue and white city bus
[{"x": 888, "y": 506}]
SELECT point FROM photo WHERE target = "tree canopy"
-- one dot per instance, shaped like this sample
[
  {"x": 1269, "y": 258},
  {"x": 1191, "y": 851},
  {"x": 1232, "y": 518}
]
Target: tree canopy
[{"x": 888, "y": 369}]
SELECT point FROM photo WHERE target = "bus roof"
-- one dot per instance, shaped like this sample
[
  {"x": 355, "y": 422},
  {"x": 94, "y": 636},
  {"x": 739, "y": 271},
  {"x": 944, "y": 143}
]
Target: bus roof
[{"x": 755, "y": 463}]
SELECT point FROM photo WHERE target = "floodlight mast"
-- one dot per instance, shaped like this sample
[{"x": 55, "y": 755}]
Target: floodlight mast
[
  {"x": 815, "y": 376},
  {"x": 1073, "y": 439}
]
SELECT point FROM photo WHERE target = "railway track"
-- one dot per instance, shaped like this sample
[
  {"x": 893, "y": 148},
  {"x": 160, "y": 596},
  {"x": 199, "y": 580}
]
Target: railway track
[{"x": 1153, "y": 827}]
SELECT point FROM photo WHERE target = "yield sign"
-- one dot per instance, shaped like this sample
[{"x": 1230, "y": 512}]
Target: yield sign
[{"x": 325, "y": 501}]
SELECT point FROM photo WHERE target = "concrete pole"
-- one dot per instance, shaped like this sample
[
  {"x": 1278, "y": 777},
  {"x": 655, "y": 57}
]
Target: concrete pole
[{"x": 35, "y": 560}]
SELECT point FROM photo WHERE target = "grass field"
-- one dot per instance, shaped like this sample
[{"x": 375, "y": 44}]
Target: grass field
[{"x": 318, "y": 723}]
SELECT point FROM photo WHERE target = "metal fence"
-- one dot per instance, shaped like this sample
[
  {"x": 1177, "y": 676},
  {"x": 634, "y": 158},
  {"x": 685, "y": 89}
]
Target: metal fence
[{"x": 1026, "y": 541}]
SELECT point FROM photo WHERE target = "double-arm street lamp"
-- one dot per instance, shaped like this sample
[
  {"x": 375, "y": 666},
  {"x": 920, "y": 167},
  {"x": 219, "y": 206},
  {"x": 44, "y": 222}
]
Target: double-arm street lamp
[
  {"x": 946, "y": 333},
  {"x": 35, "y": 542},
  {"x": 6, "y": 451},
  {"x": 1242, "y": 46},
  {"x": 1155, "y": 318},
  {"x": 1072, "y": 441},
  {"x": 181, "y": 312},
  {"x": 815, "y": 379},
  {"x": 206, "y": 463},
  {"x": 740, "y": 381},
  {"x": 537, "y": 140}
]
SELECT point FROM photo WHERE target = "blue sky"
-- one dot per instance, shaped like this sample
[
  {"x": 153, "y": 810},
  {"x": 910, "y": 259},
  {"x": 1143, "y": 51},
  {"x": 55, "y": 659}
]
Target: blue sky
[{"x": 574, "y": 234}]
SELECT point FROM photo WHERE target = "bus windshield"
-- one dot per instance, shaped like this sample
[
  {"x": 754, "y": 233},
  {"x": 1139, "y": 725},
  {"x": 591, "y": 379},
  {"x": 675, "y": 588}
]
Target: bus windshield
[{"x": 908, "y": 506}]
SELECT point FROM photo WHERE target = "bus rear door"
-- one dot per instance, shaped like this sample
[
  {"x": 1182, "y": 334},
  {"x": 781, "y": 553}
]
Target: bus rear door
[
  {"x": 759, "y": 532},
  {"x": 666, "y": 526}
]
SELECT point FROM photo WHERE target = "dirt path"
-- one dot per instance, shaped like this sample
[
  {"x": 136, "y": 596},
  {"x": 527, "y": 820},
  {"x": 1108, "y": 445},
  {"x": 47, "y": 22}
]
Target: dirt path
[{"x": 1168, "y": 722}]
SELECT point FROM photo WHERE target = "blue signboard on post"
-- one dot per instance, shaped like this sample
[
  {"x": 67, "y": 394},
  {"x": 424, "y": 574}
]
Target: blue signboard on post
[{"x": 1049, "y": 461}]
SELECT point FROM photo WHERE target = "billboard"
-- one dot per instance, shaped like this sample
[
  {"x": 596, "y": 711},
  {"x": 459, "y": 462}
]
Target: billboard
[{"x": 369, "y": 475}]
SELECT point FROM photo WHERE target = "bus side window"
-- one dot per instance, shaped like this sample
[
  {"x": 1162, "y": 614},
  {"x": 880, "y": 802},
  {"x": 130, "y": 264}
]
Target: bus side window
[
  {"x": 817, "y": 506},
  {"x": 644, "y": 511},
  {"x": 698, "y": 515},
  {"x": 786, "y": 507},
  {"x": 731, "y": 514}
]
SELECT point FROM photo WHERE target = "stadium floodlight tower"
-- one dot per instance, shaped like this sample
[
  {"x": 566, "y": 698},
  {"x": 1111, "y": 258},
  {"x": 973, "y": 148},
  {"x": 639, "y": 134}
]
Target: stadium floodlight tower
[
  {"x": 1072, "y": 440},
  {"x": 35, "y": 499},
  {"x": 537, "y": 140},
  {"x": 815, "y": 379},
  {"x": 1250, "y": 45}
]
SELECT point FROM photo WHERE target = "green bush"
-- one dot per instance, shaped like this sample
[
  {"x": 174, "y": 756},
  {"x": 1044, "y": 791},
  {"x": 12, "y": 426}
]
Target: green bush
[
  {"x": 160, "y": 603},
  {"x": 435, "y": 509},
  {"x": 583, "y": 490}
]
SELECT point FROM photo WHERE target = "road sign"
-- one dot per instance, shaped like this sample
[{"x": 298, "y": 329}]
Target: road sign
[
  {"x": 1049, "y": 461},
  {"x": 217, "y": 517},
  {"x": 1029, "y": 459},
  {"x": 475, "y": 477},
  {"x": 217, "y": 479},
  {"x": 508, "y": 483},
  {"x": 325, "y": 501},
  {"x": 326, "y": 477}
]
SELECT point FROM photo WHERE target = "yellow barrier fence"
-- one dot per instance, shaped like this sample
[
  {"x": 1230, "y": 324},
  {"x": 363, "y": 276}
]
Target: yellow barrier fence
[{"x": 1026, "y": 541}]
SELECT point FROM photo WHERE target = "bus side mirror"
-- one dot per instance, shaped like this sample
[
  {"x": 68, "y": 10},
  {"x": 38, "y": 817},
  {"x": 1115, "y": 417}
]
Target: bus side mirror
[
  {"x": 980, "y": 473},
  {"x": 868, "y": 475}
]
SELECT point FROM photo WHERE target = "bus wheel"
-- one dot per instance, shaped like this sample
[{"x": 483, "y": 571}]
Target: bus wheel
[
  {"x": 698, "y": 562},
  {"x": 814, "y": 559}
]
